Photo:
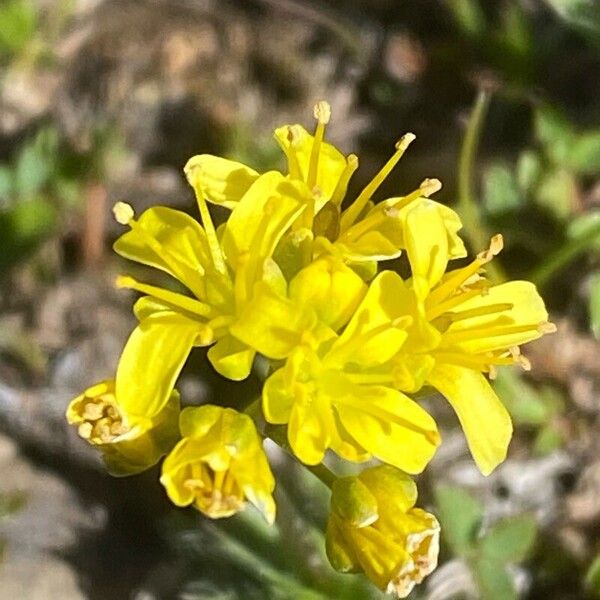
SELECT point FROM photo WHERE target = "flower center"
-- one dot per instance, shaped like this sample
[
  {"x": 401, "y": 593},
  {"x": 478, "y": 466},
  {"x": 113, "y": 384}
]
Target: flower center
[
  {"x": 217, "y": 493},
  {"x": 102, "y": 421}
]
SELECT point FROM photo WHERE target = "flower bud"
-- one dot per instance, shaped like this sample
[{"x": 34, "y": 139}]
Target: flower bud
[
  {"x": 129, "y": 444},
  {"x": 373, "y": 527},
  {"x": 219, "y": 465}
]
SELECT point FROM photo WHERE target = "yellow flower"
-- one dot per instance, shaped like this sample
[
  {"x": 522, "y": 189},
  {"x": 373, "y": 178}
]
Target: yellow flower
[
  {"x": 374, "y": 527},
  {"x": 129, "y": 442},
  {"x": 219, "y": 465},
  {"x": 329, "y": 391},
  {"x": 462, "y": 327},
  {"x": 219, "y": 272},
  {"x": 361, "y": 234}
]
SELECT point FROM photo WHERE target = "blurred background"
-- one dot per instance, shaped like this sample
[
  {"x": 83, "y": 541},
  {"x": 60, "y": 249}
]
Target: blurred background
[{"x": 104, "y": 100}]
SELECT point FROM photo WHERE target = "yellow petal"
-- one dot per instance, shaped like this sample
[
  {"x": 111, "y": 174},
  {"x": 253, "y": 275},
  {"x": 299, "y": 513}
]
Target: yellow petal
[
  {"x": 310, "y": 426},
  {"x": 171, "y": 241},
  {"x": 297, "y": 145},
  {"x": 391, "y": 426},
  {"x": 274, "y": 325},
  {"x": 493, "y": 331},
  {"x": 277, "y": 399},
  {"x": 231, "y": 358},
  {"x": 484, "y": 419},
  {"x": 375, "y": 334},
  {"x": 261, "y": 217},
  {"x": 151, "y": 361},
  {"x": 223, "y": 181},
  {"x": 330, "y": 288},
  {"x": 426, "y": 245}
]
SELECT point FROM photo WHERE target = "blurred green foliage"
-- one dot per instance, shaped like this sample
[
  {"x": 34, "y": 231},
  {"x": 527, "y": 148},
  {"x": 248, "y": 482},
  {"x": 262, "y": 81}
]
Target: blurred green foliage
[{"x": 487, "y": 551}]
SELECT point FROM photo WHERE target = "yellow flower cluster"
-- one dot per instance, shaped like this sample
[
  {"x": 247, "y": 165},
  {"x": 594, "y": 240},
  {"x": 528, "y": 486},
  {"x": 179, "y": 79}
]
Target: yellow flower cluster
[{"x": 293, "y": 275}]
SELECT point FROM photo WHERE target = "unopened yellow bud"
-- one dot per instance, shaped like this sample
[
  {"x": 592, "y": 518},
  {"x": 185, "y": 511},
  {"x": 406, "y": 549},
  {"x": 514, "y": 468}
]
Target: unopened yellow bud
[{"x": 374, "y": 527}]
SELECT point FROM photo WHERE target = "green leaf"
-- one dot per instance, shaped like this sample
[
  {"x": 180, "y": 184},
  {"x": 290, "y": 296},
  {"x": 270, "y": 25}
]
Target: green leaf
[
  {"x": 584, "y": 155},
  {"x": 494, "y": 582},
  {"x": 31, "y": 172},
  {"x": 468, "y": 16},
  {"x": 500, "y": 190},
  {"x": 23, "y": 227},
  {"x": 595, "y": 305},
  {"x": 460, "y": 515},
  {"x": 18, "y": 22},
  {"x": 510, "y": 540},
  {"x": 584, "y": 226},
  {"x": 554, "y": 132},
  {"x": 582, "y": 15},
  {"x": 529, "y": 169},
  {"x": 557, "y": 192},
  {"x": 548, "y": 439},
  {"x": 524, "y": 403},
  {"x": 592, "y": 577}
]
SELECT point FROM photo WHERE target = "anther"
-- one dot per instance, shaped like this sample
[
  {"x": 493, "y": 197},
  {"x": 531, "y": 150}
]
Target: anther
[
  {"x": 496, "y": 245},
  {"x": 405, "y": 141},
  {"x": 322, "y": 112},
  {"x": 123, "y": 213},
  {"x": 546, "y": 327},
  {"x": 429, "y": 186}
]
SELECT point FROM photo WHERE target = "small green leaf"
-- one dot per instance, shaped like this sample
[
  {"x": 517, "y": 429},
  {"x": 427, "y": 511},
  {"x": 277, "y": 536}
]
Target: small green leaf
[
  {"x": 500, "y": 192},
  {"x": 557, "y": 192},
  {"x": 582, "y": 15},
  {"x": 592, "y": 577},
  {"x": 468, "y": 16},
  {"x": 510, "y": 540},
  {"x": 554, "y": 132},
  {"x": 18, "y": 21},
  {"x": 460, "y": 515},
  {"x": 529, "y": 169},
  {"x": 548, "y": 439},
  {"x": 494, "y": 582},
  {"x": 584, "y": 225},
  {"x": 584, "y": 156},
  {"x": 523, "y": 401}
]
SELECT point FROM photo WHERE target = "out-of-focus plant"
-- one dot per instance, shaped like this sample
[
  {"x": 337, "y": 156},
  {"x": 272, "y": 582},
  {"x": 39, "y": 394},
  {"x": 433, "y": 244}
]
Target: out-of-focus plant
[
  {"x": 488, "y": 551},
  {"x": 536, "y": 408},
  {"x": 10, "y": 504},
  {"x": 44, "y": 183}
]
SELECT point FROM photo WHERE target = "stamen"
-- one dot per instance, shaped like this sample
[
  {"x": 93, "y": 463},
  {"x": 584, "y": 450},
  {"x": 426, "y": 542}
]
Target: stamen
[
  {"x": 194, "y": 177},
  {"x": 353, "y": 211},
  {"x": 488, "y": 332},
  {"x": 186, "y": 303},
  {"x": 322, "y": 113},
  {"x": 479, "y": 311},
  {"x": 547, "y": 327},
  {"x": 427, "y": 188},
  {"x": 123, "y": 213},
  {"x": 460, "y": 276},
  {"x": 342, "y": 185}
]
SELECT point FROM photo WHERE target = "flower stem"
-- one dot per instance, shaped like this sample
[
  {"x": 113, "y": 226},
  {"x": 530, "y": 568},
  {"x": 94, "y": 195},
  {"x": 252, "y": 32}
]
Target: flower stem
[
  {"x": 468, "y": 207},
  {"x": 562, "y": 256}
]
